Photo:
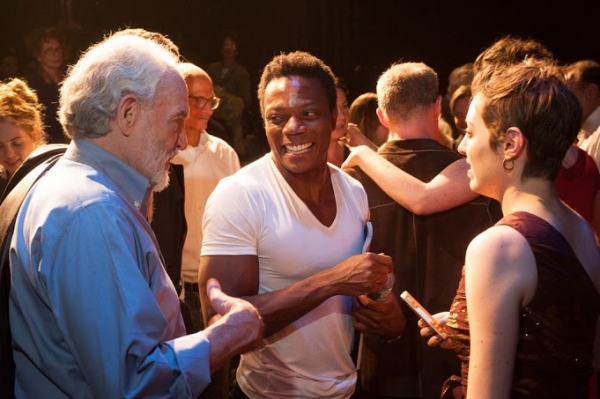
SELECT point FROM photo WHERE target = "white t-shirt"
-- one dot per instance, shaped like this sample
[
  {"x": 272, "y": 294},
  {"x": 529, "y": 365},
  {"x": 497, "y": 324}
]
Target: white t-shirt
[
  {"x": 203, "y": 167},
  {"x": 255, "y": 212}
]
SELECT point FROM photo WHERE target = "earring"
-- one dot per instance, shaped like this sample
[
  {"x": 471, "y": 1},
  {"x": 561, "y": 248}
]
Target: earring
[
  {"x": 128, "y": 118},
  {"x": 506, "y": 166}
]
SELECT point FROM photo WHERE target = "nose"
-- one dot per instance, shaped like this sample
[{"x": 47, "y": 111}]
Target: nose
[
  {"x": 462, "y": 147},
  {"x": 8, "y": 152},
  {"x": 206, "y": 110},
  {"x": 294, "y": 125},
  {"x": 182, "y": 140}
]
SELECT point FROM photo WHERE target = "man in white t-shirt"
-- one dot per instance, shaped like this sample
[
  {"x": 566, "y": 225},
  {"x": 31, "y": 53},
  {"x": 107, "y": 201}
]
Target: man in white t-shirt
[
  {"x": 206, "y": 160},
  {"x": 287, "y": 233}
]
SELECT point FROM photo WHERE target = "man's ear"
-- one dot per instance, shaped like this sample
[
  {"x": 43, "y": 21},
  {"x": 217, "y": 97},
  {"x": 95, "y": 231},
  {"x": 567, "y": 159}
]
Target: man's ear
[
  {"x": 382, "y": 118},
  {"x": 128, "y": 112},
  {"x": 514, "y": 143},
  {"x": 438, "y": 105}
]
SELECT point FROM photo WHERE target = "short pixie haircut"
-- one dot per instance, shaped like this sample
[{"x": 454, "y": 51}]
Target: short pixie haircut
[{"x": 533, "y": 97}]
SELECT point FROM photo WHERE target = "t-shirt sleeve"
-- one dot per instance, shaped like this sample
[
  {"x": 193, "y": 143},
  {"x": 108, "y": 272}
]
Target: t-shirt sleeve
[{"x": 232, "y": 219}]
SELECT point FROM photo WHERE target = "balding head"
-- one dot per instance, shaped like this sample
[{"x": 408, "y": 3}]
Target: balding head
[
  {"x": 187, "y": 69},
  {"x": 200, "y": 99}
]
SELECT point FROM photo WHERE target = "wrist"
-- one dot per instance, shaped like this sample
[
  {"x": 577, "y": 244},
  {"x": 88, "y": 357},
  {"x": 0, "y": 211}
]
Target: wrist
[{"x": 392, "y": 340}]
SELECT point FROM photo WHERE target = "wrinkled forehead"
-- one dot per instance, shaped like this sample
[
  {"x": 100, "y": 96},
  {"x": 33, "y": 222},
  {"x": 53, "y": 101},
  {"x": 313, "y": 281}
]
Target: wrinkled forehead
[{"x": 171, "y": 89}]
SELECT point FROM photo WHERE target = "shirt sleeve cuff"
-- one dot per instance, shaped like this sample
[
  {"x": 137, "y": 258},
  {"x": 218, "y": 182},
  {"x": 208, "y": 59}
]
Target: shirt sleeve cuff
[{"x": 193, "y": 356}]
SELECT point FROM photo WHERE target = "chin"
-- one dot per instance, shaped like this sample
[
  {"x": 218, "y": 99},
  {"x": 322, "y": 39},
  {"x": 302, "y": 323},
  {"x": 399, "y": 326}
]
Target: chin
[{"x": 161, "y": 182}]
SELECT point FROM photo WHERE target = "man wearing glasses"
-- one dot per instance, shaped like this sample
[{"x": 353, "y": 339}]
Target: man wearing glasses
[{"x": 205, "y": 161}]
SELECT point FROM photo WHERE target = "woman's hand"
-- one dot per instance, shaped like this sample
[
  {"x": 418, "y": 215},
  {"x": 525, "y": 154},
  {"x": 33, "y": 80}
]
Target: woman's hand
[{"x": 434, "y": 339}]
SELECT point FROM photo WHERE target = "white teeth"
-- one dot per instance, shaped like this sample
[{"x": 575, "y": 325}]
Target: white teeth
[{"x": 298, "y": 149}]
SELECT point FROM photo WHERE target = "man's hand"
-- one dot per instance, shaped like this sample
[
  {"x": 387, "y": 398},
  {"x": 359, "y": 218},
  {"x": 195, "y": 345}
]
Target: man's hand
[
  {"x": 238, "y": 330},
  {"x": 360, "y": 274},
  {"x": 385, "y": 319},
  {"x": 238, "y": 314}
]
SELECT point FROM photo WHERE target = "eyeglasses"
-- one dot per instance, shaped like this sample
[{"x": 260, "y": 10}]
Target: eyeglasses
[{"x": 201, "y": 102}]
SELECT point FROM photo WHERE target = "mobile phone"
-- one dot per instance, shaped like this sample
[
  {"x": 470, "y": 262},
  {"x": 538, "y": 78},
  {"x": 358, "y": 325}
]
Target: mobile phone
[{"x": 422, "y": 313}]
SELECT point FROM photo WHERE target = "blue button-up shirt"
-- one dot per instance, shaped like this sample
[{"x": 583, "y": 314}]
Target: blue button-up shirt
[{"x": 92, "y": 310}]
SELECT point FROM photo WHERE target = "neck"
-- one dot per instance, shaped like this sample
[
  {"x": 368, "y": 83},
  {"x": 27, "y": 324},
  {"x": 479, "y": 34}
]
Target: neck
[
  {"x": 308, "y": 186},
  {"x": 51, "y": 75},
  {"x": 416, "y": 130},
  {"x": 423, "y": 124},
  {"x": 533, "y": 195},
  {"x": 193, "y": 137}
]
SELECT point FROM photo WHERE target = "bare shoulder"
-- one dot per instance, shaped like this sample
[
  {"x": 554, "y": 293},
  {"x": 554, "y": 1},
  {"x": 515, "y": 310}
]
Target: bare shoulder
[
  {"x": 500, "y": 259},
  {"x": 502, "y": 243}
]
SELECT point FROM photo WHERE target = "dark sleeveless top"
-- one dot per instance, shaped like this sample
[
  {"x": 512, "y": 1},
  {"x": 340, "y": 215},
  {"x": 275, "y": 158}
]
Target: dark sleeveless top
[{"x": 557, "y": 329}]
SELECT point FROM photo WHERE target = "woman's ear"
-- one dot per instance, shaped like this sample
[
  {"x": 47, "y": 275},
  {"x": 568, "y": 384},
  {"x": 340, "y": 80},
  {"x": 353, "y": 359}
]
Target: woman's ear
[
  {"x": 35, "y": 135},
  {"x": 514, "y": 143}
]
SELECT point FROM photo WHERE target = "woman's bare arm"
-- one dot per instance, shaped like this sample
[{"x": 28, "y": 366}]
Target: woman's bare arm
[{"x": 450, "y": 188}]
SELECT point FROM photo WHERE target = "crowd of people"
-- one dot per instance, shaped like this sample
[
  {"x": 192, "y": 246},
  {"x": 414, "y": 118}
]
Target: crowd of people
[{"x": 146, "y": 262}]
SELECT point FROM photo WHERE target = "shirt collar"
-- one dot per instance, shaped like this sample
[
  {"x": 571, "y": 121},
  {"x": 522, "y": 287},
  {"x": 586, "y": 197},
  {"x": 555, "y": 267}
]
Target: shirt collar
[
  {"x": 592, "y": 122},
  {"x": 135, "y": 187}
]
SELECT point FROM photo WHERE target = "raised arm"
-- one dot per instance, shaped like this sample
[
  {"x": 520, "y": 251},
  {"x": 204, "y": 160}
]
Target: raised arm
[
  {"x": 238, "y": 276},
  {"x": 447, "y": 190}
]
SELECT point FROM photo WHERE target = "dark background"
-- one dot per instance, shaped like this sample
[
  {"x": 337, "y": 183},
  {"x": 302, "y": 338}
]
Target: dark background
[{"x": 357, "y": 38}]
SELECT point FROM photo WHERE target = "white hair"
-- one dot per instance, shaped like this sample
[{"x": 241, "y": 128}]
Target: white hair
[{"x": 109, "y": 70}]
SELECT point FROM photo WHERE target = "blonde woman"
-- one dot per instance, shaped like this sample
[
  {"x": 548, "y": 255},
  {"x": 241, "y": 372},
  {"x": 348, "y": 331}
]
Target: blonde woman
[{"x": 21, "y": 127}]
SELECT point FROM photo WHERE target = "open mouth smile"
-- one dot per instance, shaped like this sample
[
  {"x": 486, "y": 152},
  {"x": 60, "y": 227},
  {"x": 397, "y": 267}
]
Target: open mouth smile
[{"x": 299, "y": 148}]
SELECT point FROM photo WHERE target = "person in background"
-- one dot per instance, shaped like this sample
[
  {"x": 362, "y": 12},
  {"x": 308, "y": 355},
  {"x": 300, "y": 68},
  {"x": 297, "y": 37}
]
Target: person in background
[
  {"x": 48, "y": 48},
  {"x": 233, "y": 85},
  {"x": 9, "y": 65},
  {"x": 459, "y": 105},
  {"x": 337, "y": 150},
  {"x": 450, "y": 187},
  {"x": 534, "y": 337},
  {"x": 363, "y": 113},
  {"x": 459, "y": 76},
  {"x": 287, "y": 233},
  {"x": 584, "y": 80},
  {"x": 428, "y": 251},
  {"x": 92, "y": 310},
  {"x": 205, "y": 160},
  {"x": 446, "y": 133},
  {"x": 21, "y": 127}
]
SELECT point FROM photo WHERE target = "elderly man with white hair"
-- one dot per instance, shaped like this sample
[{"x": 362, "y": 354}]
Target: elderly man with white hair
[{"x": 92, "y": 310}]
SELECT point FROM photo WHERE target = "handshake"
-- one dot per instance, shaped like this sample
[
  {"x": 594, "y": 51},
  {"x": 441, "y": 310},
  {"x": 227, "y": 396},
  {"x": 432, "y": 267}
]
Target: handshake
[{"x": 238, "y": 328}]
